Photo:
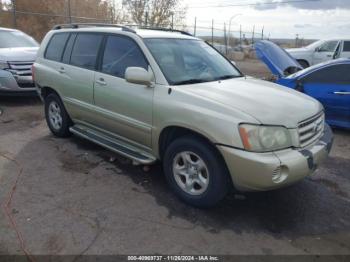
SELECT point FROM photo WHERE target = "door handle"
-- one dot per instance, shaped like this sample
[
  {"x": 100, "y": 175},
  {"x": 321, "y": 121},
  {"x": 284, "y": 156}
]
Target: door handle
[
  {"x": 341, "y": 93},
  {"x": 61, "y": 70},
  {"x": 329, "y": 55},
  {"x": 101, "y": 82}
]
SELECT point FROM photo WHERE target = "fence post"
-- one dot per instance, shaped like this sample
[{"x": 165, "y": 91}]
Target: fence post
[
  {"x": 225, "y": 39},
  {"x": 195, "y": 26},
  {"x": 212, "y": 32},
  {"x": 14, "y": 16},
  {"x": 240, "y": 36}
]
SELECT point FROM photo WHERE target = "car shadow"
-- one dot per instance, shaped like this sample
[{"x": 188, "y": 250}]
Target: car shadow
[{"x": 310, "y": 207}]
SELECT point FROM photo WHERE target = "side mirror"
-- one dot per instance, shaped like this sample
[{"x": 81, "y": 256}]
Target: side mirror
[
  {"x": 317, "y": 49},
  {"x": 138, "y": 75}
]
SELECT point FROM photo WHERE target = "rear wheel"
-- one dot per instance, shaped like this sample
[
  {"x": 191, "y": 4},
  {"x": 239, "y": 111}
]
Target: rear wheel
[
  {"x": 57, "y": 117},
  {"x": 196, "y": 172}
]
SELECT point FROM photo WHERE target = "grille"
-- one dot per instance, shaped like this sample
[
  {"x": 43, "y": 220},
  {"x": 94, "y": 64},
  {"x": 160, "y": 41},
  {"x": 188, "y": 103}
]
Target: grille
[
  {"x": 21, "y": 68},
  {"x": 311, "y": 129}
]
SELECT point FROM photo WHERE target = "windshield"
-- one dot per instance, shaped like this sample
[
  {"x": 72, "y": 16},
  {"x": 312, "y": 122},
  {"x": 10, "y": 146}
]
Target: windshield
[
  {"x": 184, "y": 61},
  {"x": 315, "y": 44},
  {"x": 10, "y": 39}
]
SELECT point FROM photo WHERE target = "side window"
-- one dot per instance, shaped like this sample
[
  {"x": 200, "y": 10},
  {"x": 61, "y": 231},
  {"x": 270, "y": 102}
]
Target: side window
[
  {"x": 346, "y": 47},
  {"x": 336, "y": 74},
  {"x": 121, "y": 53},
  {"x": 329, "y": 46},
  {"x": 85, "y": 50},
  {"x": 56, "y": 45},
  {"x": 68, "y": 51}
]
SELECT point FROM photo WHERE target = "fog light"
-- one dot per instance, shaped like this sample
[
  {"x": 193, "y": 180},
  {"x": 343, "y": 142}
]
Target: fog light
[{"x": 279, "y": 175}]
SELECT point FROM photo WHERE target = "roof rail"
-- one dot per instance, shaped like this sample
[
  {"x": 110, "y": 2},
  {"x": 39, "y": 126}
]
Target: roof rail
[
  {"x": 79, "y": 25},
  {"x": 165, "y": 29}
]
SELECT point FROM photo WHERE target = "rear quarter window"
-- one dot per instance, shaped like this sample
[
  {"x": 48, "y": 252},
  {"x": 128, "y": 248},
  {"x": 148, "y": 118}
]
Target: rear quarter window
[{"x": 56, "y": 46}]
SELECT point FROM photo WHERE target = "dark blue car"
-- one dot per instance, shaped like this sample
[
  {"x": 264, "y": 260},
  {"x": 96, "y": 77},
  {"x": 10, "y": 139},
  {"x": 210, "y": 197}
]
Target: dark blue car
[{"x": 327, "y": 82}]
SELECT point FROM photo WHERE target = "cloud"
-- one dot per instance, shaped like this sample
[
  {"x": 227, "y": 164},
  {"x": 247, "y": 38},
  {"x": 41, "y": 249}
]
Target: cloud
[
  {"x": 303, "y": 25},
  {"x": 310, "y": 5}
]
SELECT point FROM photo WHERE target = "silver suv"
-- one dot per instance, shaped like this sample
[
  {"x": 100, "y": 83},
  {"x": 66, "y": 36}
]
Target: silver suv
[
  {"x": 155, "y": 95},
  {"x": 17, "y": 55}
]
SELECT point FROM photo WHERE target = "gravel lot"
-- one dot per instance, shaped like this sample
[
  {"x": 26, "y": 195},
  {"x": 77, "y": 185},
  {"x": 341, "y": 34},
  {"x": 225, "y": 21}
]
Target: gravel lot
[{"x": 73, "y": 197}]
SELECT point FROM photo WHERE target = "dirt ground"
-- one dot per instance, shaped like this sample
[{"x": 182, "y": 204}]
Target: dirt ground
[{"x": 70, "y": 196}]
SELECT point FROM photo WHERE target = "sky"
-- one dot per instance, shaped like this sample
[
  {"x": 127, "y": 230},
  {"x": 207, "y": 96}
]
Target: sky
[{"x": 314, "y": 19}]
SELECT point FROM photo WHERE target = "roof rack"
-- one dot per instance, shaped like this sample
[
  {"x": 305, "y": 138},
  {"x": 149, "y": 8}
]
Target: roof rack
[
  {"x": 165, "y": 29},
  {"x": 79, "y": 25}
]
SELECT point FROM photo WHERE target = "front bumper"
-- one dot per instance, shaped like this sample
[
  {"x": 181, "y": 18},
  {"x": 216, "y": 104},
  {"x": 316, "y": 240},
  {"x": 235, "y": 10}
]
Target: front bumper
[
  {"x": 15, "y": 85},
  {"x": 255, "y": 171}
]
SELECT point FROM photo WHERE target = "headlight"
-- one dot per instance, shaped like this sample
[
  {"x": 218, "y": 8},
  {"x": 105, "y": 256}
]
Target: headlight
[
  {"x": 3, "y": 65},
  {"x": 264, "y": 138}
]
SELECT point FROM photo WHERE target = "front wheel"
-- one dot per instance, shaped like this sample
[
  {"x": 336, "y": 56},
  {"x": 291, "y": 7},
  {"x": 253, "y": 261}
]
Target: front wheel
[
  {"x": 57, "y": 117},
  {"x": 196, "y": 172}
]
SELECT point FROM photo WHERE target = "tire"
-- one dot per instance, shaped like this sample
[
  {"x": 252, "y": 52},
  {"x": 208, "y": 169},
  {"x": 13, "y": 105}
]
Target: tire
[
  {"x": 56, "y": 116},
  {"x": 303, "y": 63},
  {"x": 210, "y": 183}
]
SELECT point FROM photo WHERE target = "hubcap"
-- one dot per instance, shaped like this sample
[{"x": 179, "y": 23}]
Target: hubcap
[
  {"x": 191, "y": 173},
  {"x": 55, "y": 115}
]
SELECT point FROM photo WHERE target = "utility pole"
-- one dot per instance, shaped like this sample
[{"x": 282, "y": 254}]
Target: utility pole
[
  {"x": 146, "y": 18},
  {"x": 69, "y": 12},
  {"x": 262, "y": 33},
  {"x": 253, "y": 34},
  {"x": 195, "y": 26},
  {"x": 172, "y": 21},
  {"x": 212, "y": 32},
  {"x": 240, "y": 35},
  {"x": 14, "y": 14}
]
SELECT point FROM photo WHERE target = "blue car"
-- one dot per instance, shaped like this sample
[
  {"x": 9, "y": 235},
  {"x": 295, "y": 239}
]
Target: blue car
[{"x": 327, "y": 82}]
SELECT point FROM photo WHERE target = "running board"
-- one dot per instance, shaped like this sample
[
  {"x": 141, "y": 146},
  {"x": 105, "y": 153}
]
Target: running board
[{"x": 113, "y": 144}]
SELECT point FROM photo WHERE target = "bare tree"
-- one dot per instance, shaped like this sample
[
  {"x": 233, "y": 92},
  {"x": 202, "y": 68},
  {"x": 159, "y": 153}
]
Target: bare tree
[{"x": 157, "y": 13}]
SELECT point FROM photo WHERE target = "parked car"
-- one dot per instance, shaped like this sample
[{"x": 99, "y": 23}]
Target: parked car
[
  {"x": 153, "y": 95},
  {"x": 17, "y": 55},
  {"x": 328, "y": 82},
  {"x": 321, "y": 51}
]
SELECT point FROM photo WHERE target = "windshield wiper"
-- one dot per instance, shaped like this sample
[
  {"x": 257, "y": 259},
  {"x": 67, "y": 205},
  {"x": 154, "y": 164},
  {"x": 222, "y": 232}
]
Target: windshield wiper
[
  {"x": 190, "y": 81},
  {"x": 226, "y": 77}
]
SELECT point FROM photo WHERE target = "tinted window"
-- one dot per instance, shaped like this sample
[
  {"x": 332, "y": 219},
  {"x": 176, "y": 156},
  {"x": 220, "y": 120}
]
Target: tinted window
[
  {"x": 336, "y": 74},
  {"x": 85, "y": 50},
  {"x": 346, "y": 46},
  {"x": 121, "y": 53},
  {"x": 68, "y": 50},
  {"x": 329, "y": 46},
  {"x": 56, "y": 46}
]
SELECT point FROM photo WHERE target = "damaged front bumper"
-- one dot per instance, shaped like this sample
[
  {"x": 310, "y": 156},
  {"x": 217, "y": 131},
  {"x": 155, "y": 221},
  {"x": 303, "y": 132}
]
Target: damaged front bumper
[{"x": 266, "y": 171}]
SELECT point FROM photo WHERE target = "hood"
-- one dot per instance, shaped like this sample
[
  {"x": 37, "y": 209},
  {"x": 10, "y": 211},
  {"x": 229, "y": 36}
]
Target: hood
[
  {"x": 277, "y": 59},
  {"x": 268, "y": 103},
  {"x": 18, "y": 54},
  {"x": 297, "y": 50}
]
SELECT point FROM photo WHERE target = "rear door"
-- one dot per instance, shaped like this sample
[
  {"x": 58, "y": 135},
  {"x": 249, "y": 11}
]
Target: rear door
[
  {"x": 78, "y": 74},
  {"x": 331, "y": 86},
  {"x": 325, "y": 52},
  {"x": 123, "y": 108}
]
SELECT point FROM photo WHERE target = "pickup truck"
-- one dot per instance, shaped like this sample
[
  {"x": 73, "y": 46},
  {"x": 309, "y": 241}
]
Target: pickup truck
[{"x": 321, "y": 51}]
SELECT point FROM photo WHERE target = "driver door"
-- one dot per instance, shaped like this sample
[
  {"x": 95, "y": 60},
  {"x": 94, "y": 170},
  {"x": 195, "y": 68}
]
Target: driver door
[
  {"x": 125, "y": 109},
  {"x": 325, "y": 52}
]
